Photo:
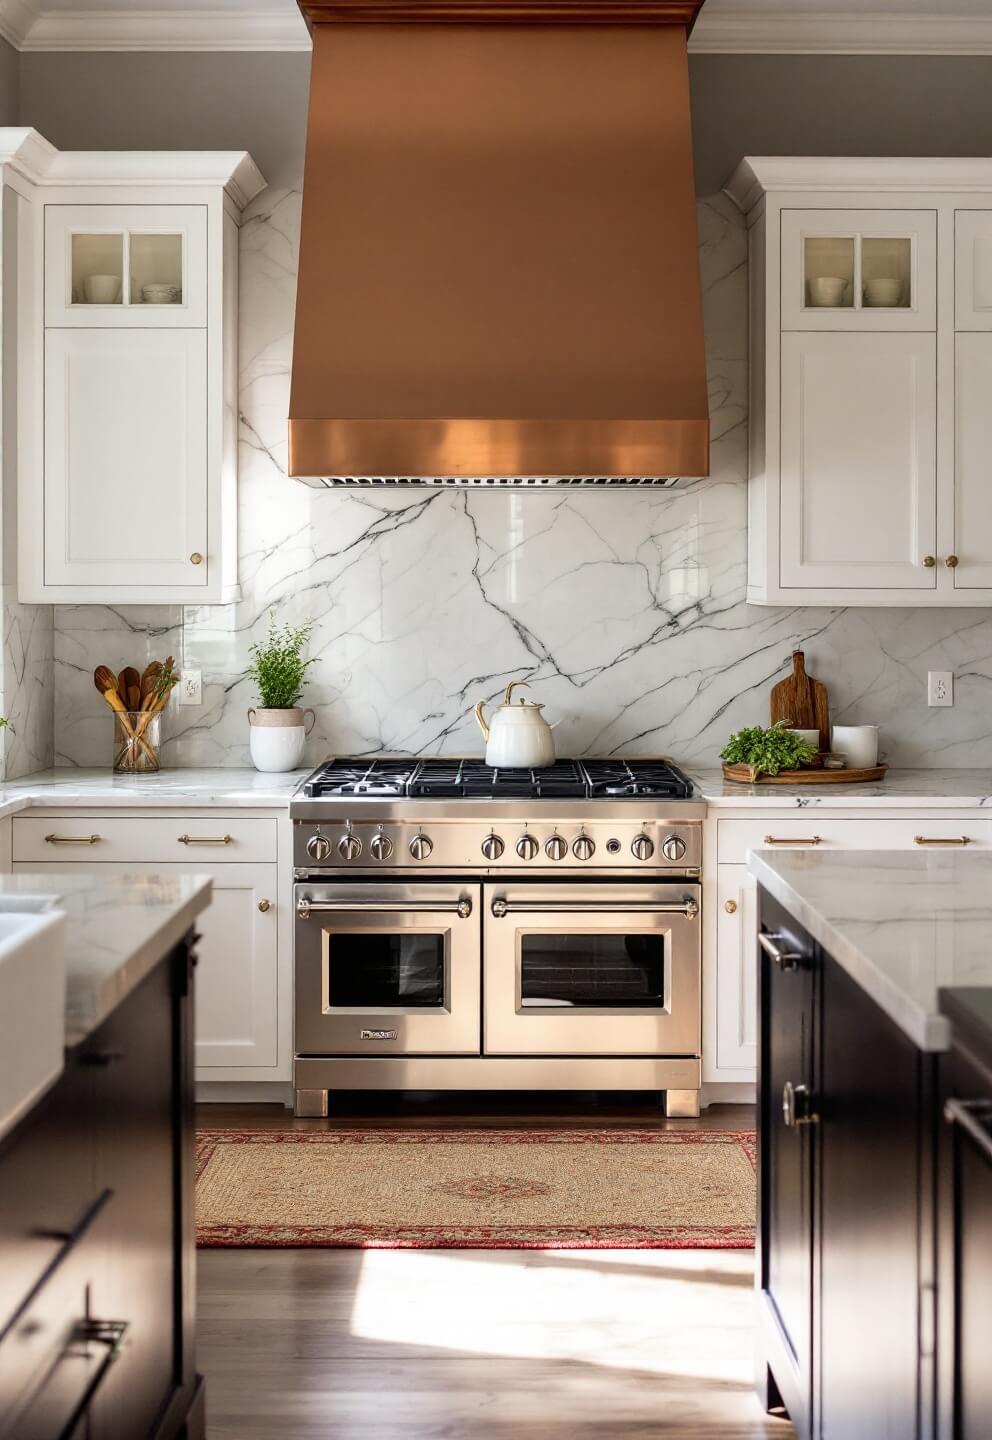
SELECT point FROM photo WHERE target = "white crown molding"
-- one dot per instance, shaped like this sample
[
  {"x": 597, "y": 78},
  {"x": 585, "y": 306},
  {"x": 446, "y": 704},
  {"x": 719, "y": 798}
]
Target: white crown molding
[
  {"x": 757, "y": 175},
  {"x": 246, "y": 29},
  {"x": 16, "y": 19},
  {"x": 26, "y": 25},
  {"x": 719, "y": 32},
  {"x": 31, "y": 156}
]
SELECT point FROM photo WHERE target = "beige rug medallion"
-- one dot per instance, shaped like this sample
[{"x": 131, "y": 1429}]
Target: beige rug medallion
[{"x": 490, "y": 1189}]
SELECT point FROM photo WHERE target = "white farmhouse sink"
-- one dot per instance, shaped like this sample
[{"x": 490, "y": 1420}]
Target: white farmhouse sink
[{"x": 32, "y": 1007}]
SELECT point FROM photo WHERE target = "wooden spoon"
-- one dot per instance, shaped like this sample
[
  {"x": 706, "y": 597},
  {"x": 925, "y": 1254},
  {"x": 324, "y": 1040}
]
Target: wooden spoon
[
  {"x": 129, "y": 687},
  {"x": 106, "y": 682}
]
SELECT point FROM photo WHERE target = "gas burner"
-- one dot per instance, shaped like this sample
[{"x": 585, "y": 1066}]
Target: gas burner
[{"x": 439, "y": 777}]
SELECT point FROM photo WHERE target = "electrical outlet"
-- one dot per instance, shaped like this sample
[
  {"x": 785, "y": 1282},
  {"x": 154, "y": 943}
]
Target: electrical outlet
[
  {"x": 940, "y": 687},
  {"x": 190, "y": 690}
]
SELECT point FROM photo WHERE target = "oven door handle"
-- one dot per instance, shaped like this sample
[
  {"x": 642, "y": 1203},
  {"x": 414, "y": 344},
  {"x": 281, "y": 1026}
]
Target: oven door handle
[
  {"x": 687, "y": 907},
  {"x": 305, "y": 907}
]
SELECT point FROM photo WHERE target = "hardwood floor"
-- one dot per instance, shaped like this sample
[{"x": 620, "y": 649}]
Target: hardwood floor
[{"x": 460, "y": 1344}]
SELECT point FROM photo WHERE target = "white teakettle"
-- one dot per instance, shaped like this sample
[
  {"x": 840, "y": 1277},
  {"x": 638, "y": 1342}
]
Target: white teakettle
[{"x": 517, "y": 735}]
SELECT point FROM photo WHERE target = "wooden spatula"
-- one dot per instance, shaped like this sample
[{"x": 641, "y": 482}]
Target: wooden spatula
[
  {"x": 129, "y": 687},
  {"x": 802, "y": 701}
]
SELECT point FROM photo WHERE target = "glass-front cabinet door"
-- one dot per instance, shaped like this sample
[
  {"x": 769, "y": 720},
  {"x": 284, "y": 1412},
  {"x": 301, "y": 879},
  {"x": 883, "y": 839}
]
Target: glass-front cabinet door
[
  {"x": 387, "y": 970},
  {"x": 126, "y": 265},
  {"x": 859, "y": 270},
  {"x": 591, "y": 969}
]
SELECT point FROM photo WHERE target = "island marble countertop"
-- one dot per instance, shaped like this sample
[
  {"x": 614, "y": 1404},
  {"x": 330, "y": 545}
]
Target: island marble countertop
[
  {"x": 226, "y": 788},
  {"x": 118, "y": 928},
  {"x": 901, "y": 789},
  {"x": 903, "y": 925}
]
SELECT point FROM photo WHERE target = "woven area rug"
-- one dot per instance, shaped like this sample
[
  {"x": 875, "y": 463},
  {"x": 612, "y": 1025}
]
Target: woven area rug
[{"x": 490, "y": 1189}]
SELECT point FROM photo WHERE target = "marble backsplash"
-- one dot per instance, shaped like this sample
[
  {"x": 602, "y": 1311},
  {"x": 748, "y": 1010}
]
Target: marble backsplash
[{"x": 625, "y": 610}]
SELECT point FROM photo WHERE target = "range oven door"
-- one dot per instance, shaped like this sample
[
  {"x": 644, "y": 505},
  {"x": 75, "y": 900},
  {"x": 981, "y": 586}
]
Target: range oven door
[
  {"x": 387, "y": 969},
  {"x": 589, "y": 969}
]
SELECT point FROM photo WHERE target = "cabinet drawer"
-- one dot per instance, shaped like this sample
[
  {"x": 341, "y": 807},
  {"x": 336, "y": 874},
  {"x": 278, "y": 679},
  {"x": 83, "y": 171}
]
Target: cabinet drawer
[
  {"x": 160, "y": 841},
  {"x": 737, "y": 837}
]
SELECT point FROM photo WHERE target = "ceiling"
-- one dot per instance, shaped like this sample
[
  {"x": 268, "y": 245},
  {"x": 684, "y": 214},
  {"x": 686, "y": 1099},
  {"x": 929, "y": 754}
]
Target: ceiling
[{"x": 898, "y": 27}]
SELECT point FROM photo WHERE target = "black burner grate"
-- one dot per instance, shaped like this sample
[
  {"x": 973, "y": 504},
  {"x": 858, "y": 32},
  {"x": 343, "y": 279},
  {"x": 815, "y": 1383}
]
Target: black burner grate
[{"x": 440, "y": 777}]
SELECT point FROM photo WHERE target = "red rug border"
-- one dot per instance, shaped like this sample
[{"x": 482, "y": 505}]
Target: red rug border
[{"x": 426, "y": 1237}]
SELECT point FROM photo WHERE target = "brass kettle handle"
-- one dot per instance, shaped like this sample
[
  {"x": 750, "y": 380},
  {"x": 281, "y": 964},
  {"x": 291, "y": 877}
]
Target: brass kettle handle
[{"x": 513, "y": 685}]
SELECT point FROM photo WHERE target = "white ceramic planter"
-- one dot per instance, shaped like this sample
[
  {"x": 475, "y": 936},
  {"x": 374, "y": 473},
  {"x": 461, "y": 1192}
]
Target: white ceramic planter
[{"x": 277, "y": 738}]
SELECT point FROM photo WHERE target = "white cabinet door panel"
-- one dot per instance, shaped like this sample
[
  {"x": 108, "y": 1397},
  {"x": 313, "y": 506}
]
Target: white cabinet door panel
[
  {"x": 737, "y": 969},
  {"x": 126, "y": 458},
  {"x": 858, "y": 461},
  {"x": 973, "y": 461},
  {"x": 973, "y": 269}
]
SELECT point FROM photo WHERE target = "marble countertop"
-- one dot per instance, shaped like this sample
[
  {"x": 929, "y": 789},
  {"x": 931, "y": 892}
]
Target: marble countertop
[
  {"x": 118, "y": 927},
  {"x": 904, "y": 926},
  {"x": 232, "y": 789},
  {"x": 901, "y": 789}
]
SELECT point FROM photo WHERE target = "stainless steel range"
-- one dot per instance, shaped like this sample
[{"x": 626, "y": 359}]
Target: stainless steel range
[{"x": 463, "y": 927}]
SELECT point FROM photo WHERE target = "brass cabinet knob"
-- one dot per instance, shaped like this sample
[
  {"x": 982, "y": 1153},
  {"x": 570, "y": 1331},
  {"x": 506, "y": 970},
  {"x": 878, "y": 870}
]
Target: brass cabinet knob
[
  {"x": 730, "y": 906},
  {"x": 951, "y": 562},
  {"x": 196, "y": 558},
  {"x": 264, "y": 905},
  {"x": 929, "y": 561}
]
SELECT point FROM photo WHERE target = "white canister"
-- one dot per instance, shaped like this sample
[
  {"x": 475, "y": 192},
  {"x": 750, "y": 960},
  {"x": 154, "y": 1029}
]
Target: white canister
[
  {"x": 858, "y": 744},
  {"x": 812, "y": 737},
  {"x": 277, "y": 738}
]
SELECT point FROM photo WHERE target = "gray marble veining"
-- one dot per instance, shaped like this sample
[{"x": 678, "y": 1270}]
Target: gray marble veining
[
  {"x": 903, "y": 925},
  {"x": 625, "y": 610}
]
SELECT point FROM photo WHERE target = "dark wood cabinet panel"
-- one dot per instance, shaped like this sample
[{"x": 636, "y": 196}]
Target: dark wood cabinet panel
[
  {"x": 96, "y": 1235},
  {"x": 785, "y": 1170},
  {"x": 872, "y": 1106}
]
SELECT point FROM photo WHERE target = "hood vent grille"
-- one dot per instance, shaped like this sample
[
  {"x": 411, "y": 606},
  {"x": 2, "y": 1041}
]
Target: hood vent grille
[{"x": 532, "y": 482}]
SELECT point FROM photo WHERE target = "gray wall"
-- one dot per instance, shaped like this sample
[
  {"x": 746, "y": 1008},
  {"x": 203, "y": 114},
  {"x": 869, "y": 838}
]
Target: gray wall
[
  {"x": 742, "y": 104},
  {"x": 8, "y": 84}
]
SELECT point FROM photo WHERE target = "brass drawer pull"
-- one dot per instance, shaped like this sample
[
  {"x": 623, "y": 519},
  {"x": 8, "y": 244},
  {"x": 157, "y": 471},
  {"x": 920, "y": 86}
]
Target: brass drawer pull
[
  {"x": 941, "y": 840},
  {"x": 793, "y": 840},
  {"x": 206, "y": 839},
  {"x": 264, "y": 905},
  {"x": 72, "y": 839},
  {"x": 929, "y": 561},
  {"x": 730, "y": 906},
  {"x": 951, "y": 562}
]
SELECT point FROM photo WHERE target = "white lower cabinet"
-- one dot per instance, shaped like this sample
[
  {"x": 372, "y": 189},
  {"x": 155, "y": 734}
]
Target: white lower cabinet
[
  {"x": 737, "y": 969},
  {"x": 241, "y": 1005}
]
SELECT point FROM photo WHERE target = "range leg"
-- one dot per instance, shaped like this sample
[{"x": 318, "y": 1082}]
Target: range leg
[
  {"x": 682, "y": 1104},
  {"x": 312, "y": 1104}
]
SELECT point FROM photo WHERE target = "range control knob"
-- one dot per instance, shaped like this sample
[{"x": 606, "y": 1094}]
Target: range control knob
[
  {"x": 421, "y": 847},
  {"x": 349, "y": 847},
  {"x": 583, "y": 848},
  {"x": 492, "y": 847},
  {"x": 556, "y": 848},
  {"x": 381, "y": 846},
  {"x": 642, "y": 846},
  {"x": 673, "y": 847},
  {"x": 527, "y": 847},
  {"x": 318, "y": 847}
]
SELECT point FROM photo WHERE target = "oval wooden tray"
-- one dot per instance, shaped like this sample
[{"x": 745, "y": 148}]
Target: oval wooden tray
[{"x": 741, "y": 775}]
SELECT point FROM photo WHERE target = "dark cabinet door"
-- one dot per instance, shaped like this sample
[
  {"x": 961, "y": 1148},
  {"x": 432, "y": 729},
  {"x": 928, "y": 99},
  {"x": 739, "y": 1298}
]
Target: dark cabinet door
[
  {"x": 787, "y": 989},
  {"x": 870, "y": 1194}
]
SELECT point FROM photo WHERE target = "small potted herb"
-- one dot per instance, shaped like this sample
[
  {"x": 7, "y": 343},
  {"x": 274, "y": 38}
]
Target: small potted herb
[
  {"x": 277, "y": 728},
  {"x": 768, "y": 750}
]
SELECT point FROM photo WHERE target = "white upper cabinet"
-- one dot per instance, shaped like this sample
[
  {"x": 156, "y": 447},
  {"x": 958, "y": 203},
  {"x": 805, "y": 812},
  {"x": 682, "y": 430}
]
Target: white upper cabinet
[
  {"x": 870, "y": 380},
  {"x": 127, "y": 371}
]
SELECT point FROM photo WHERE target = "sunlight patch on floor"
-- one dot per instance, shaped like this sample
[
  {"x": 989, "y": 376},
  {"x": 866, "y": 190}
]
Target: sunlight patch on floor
[{"x": 665, "y": 1312}]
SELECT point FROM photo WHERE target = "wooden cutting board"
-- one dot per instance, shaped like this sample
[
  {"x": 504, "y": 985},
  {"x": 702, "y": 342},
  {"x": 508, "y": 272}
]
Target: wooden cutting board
[{"x": 802, "y": 701}]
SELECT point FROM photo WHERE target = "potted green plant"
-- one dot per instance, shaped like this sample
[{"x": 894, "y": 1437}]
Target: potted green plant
[
  {"x": 766, "y": 750},
  {"x": 278, "y": 727}
]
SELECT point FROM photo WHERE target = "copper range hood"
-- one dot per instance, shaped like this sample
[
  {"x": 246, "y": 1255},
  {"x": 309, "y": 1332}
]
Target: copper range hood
[{"x": 499, "y": 280}]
